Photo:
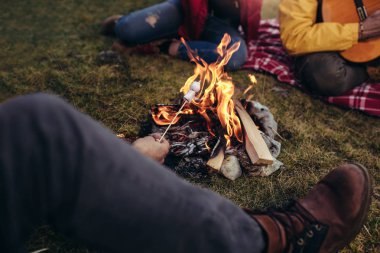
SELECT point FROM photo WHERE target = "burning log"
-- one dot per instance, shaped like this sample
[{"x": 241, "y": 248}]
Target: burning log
[
  {"x": 216, "y": 162},
  {"x": 188, "y": 139},
  {"x": 255, "y": 145},
  {"x": 218, "y": 152}
]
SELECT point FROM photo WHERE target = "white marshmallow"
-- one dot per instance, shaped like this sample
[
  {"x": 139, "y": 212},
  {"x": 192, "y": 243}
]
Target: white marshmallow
[{"x": 195, "y": 87}]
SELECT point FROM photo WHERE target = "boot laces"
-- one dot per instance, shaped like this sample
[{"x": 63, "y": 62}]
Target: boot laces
[{"x": 288, "y": 217}]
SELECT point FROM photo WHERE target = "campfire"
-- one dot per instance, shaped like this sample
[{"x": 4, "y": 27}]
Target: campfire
[{"x": 210, "y": 125}]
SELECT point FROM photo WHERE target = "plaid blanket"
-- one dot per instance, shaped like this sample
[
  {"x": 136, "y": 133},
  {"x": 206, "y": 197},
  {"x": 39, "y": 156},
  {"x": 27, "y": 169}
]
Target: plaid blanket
[{"x": 267, "y": 54}]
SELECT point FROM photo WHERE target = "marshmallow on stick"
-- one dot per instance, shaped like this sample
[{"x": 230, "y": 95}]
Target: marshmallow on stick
[{"x": 195, "y": 87}]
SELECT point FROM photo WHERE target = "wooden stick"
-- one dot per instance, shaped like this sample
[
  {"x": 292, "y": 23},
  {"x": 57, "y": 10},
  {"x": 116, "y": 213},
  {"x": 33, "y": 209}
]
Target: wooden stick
[
  {"x": 171, "y": 123},
  {"x": 255, "y": 145},
  {"x": 216, "y": 161}
]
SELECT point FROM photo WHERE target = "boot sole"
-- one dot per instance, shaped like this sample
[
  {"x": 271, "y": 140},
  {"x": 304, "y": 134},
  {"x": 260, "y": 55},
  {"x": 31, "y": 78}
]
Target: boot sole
[{"x": 364, "y": 209}]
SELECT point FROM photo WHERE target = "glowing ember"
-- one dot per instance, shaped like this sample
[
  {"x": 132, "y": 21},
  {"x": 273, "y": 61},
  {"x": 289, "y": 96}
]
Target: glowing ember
[{"x": 215, "y": 96}]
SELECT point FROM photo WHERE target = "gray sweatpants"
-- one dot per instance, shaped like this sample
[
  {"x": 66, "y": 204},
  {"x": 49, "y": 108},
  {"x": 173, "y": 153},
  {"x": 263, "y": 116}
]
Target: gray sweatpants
[
  {"x": 328, "y": 74},
  {"x": 58, "y": 166}
]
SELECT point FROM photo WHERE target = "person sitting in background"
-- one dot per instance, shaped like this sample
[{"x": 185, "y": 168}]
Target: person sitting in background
[
  {"x": 59, "y": 166},
  {"x": 203, "y": 22},
  {"x": 316, "y": 46}
]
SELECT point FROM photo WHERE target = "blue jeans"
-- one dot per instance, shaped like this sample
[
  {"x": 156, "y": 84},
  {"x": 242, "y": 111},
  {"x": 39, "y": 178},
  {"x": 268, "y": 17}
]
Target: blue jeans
[
  {"x": 162, "y": 21},
  {"x": 67, "y": 170}
]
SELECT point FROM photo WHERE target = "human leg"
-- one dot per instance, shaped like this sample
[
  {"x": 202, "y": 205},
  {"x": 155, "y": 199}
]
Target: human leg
[
  {"x": 211, "y": 37},
  {"x": 328, "y": 74},
  {"x": 153, "y": 23},
  {"x": 61, "y": 167}
]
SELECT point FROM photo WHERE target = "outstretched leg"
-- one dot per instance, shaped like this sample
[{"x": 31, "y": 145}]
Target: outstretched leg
[
  {"x": 156, "y": 22},
  {"x": 59, "y": 166}
]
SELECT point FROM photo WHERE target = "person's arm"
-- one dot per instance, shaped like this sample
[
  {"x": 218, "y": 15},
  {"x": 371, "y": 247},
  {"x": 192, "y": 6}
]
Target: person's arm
[{"x": 301, "y": 34}]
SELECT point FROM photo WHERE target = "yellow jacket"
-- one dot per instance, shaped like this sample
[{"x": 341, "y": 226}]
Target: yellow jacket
[{"x": 300, "y": 33}]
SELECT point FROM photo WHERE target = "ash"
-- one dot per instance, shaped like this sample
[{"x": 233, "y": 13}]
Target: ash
[{"x": 190, "y": 144}]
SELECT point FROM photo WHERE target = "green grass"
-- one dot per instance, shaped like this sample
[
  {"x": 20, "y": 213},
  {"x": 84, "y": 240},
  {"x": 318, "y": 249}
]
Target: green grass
[{"x": 53, "y": 46}]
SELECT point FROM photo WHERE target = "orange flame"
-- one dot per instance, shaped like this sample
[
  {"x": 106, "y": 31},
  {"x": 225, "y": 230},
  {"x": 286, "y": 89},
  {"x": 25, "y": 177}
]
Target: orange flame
[
  {"x": 215, "y": 95},
  {"x": 165, "y": 114}
]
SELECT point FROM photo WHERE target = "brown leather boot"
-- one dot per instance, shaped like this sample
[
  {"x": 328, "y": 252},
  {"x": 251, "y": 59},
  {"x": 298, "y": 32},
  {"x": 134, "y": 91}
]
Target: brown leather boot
[
  {"x": 326, "y": 220},
  {"x": 107, "y": 27}
]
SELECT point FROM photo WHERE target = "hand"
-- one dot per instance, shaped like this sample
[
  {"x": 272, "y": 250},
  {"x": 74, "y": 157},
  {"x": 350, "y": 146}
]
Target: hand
[
  {"x": 371, "y": 26},
  {"x": 151, "y": 147}
]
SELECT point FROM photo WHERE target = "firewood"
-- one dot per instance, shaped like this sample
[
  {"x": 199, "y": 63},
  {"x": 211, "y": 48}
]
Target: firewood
[
  {"x": 255, "y": 145},
  {"x": 216, "y": 161}
]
